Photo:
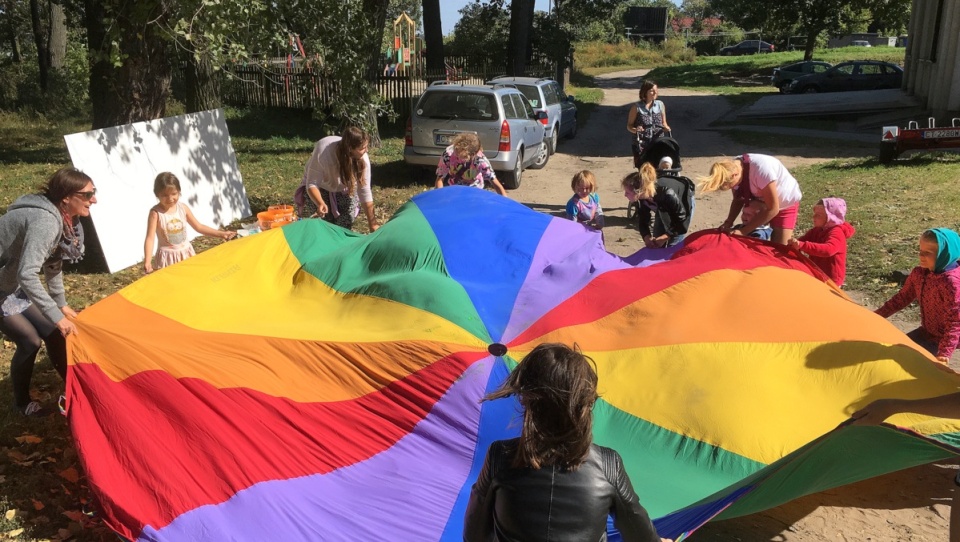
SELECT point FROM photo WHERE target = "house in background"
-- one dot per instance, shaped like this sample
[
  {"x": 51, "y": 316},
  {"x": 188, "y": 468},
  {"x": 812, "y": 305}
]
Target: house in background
[{"x": 932, "y": 63}]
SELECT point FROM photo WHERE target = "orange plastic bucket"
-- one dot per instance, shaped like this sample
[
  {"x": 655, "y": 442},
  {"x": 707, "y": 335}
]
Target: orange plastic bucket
[
  {"x": 266, "y": 219},
  {"x": 282, "y": 210}
]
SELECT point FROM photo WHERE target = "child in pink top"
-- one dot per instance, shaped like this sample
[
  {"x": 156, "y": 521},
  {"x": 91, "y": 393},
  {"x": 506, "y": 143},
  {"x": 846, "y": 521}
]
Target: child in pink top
[
  {"x": 167, "y": 223},
  {"x": 935, "y": 284},
  {"x": 463, "y": 163}
]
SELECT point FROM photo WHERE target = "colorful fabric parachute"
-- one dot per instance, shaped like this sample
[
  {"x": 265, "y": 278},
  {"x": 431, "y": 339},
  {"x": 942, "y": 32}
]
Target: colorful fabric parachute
[{"x": 310, "y": 383}]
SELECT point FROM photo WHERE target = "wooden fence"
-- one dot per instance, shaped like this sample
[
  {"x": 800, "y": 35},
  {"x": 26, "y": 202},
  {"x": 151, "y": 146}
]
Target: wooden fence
[{"x": 302, "y": 87}]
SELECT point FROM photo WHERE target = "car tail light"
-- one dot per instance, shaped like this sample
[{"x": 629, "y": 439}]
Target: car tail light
[
  {"x": 408, "y": 137},
  {"x": 505, "y": 137},
  {"x": 545, "y": 120},
  {"x": 772, "y": 47}
]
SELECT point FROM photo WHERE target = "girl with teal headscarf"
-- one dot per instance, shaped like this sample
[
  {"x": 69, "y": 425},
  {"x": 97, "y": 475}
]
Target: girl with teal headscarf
[{"x": 935, "y": 284}]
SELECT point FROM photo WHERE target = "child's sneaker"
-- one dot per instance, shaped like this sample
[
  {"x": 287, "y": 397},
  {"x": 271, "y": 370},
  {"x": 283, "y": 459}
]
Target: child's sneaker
[{"x": 34, "y": 410}]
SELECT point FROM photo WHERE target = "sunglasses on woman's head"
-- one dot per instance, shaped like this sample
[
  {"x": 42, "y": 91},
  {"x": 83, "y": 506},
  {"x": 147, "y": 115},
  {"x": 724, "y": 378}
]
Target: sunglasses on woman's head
[{"x": 88, "y": 195}]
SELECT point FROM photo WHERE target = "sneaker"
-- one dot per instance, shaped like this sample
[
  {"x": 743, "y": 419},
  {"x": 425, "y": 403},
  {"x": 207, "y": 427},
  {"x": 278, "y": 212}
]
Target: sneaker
[{"x": 34, "y": 410}]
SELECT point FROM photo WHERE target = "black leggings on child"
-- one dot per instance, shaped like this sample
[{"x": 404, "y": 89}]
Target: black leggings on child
[{"x": 28, "y": 329}]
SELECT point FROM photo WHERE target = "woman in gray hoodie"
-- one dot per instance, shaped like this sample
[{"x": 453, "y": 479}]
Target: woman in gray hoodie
[{"x": 39, "y": 232}]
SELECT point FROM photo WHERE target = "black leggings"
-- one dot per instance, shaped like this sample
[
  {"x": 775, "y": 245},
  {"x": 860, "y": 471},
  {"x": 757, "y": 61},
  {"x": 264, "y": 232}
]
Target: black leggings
[{"x": 28, "y": 329}]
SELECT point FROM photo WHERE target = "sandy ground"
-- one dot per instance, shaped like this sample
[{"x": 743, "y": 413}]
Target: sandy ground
[{"x": 911, "y": 505}]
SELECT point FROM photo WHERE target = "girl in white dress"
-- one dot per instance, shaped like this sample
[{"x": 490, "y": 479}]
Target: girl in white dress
[{"x": 167, "y": 222}]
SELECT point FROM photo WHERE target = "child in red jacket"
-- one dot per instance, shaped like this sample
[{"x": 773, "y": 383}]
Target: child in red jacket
[{"x": 826, "y": 242}]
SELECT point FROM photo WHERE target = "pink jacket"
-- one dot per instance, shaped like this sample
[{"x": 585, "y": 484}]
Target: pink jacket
[{"x": 939, "y": 298}]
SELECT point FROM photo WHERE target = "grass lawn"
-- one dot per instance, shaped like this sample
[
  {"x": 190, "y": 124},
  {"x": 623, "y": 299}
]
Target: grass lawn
[{"x": 733, "y": 75}]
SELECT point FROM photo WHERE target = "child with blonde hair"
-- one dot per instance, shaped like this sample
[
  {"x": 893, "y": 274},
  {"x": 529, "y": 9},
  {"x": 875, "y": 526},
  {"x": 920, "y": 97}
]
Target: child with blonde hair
[
  {"x": 584, "y": 206},
  {"x": 750, "y": 210},
  {"x": 935, "y": 284},
  {"x": 826, "y": 242},
  {"x": 463, "y": 163},
  {"x": 666, "y": 205},
  {"x": 167, "y": 223}
]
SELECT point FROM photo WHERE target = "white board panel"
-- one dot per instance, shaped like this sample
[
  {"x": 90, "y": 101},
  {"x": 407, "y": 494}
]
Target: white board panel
[{"x": 124, "y": 160}]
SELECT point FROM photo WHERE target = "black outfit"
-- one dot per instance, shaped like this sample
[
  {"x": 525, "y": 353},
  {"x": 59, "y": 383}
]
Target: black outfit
[
  {"x": 670, "y": 210},
  {"x": 27, "y": 330},
  {"x": 511, "y": 505}
]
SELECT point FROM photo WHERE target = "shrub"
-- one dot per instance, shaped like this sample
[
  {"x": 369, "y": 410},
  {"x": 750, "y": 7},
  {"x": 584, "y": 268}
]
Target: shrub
[
  {"x": 67, "y": 89},
  {"x": 596, "y": 54}
]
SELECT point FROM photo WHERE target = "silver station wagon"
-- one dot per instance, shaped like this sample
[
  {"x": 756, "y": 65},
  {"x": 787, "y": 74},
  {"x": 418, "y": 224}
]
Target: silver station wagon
[{"x": 510, "y": 131}]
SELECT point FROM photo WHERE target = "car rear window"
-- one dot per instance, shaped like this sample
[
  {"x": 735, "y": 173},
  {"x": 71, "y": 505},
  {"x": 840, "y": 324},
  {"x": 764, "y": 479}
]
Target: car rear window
[
  {"x": 458, "y": 105},
  {"x": 532, "y": 94},
  {"x": 550, "y": 94}
]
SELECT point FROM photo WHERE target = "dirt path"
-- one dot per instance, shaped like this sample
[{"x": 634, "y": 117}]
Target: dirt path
[{"x": 910, "y": 505}]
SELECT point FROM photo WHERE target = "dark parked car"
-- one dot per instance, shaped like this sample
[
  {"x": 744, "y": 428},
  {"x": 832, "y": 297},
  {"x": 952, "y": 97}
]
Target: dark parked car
[
  {"x": 747, "y": 47},
  {"x": 783, "y": 75},
  {"x": 853, "y": 75}
]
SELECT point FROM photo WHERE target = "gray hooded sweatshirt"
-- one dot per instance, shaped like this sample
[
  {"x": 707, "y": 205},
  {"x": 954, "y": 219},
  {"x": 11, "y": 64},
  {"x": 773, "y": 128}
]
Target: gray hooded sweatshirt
[{"x": 29, "y": 234}]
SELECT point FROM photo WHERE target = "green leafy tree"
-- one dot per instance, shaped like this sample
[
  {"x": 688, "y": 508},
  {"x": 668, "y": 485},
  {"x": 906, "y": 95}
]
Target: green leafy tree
[
  {"x": 809, "y": 18},
  {"x": 346, "y": 35},
  {"x": 483, "y": 29}
]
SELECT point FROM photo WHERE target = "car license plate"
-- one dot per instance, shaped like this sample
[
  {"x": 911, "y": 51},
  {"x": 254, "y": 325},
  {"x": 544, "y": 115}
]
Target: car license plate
[
  {"x": 444, "y": 139},
  {"x": 937, "y": 134}
]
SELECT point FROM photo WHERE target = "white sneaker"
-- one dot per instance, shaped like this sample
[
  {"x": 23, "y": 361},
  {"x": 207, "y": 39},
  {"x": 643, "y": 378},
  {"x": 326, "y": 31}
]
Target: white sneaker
[{"x": 32, "y": 409}]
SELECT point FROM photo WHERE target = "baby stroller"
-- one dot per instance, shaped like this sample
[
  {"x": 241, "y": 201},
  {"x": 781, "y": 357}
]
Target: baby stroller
[{"x": 662, "y": 147}]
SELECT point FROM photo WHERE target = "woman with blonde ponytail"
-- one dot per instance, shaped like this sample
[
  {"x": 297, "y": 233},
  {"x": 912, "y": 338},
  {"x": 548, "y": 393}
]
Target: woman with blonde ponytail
[
  {"x": 666, "y": 205},
  {"x": 767, "y": 179}
]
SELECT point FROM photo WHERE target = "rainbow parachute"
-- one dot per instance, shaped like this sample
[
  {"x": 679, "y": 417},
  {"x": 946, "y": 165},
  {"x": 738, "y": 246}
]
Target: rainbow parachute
[{"x": 311, "y": 383}]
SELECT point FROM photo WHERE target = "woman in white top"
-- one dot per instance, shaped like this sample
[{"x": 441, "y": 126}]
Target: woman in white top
[
  {"x": 766, "y": 179},
  {"x": 336, "y": 180},
  {"x": 647, "y": 119}
]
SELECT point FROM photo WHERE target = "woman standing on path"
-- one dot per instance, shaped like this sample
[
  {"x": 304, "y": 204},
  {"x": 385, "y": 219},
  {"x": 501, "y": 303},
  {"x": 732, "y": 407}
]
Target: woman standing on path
[
  {"x": 762, "y": 177},
  {"x": 39, "y": 232},
  {"x": 647, "y": 120}
]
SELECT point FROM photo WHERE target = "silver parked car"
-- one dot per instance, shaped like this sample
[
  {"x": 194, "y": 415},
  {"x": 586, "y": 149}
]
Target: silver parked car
[
  {"x": 510, "y": 131},
  {"x": 546, "y": 95}
]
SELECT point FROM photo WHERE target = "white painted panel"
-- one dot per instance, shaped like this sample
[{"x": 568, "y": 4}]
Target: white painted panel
[{"x": 124, "y": 160}]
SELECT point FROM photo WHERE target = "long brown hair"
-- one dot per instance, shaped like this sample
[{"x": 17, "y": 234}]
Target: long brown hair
[
  {"x": 351, "y": 169},
  {"x": 557, "y": 386},
  {"x": 63, "y": 183},
  {"x": 643, "y": 181}
]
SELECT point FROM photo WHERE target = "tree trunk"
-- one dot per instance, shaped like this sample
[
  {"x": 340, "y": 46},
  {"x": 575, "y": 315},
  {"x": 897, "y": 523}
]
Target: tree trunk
[
  {"x": 811, "y": 42},
  {"x": 203, "y": 84},
  {"x": 376, "y": 12},
  {"x": 521, "y": 13},
  {"x": 11, "y": 29},
  {"x": 138, "y": 89},
  {"x": 433, "y": 35},
  {"x": 40, "y": 38},
  {"x": 57, "y": 42}
]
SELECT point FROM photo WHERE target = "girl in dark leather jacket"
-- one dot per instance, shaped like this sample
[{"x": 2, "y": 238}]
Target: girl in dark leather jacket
[
  {"x": 553, "y": 483},
  {"x": 665, "y": 205}
]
